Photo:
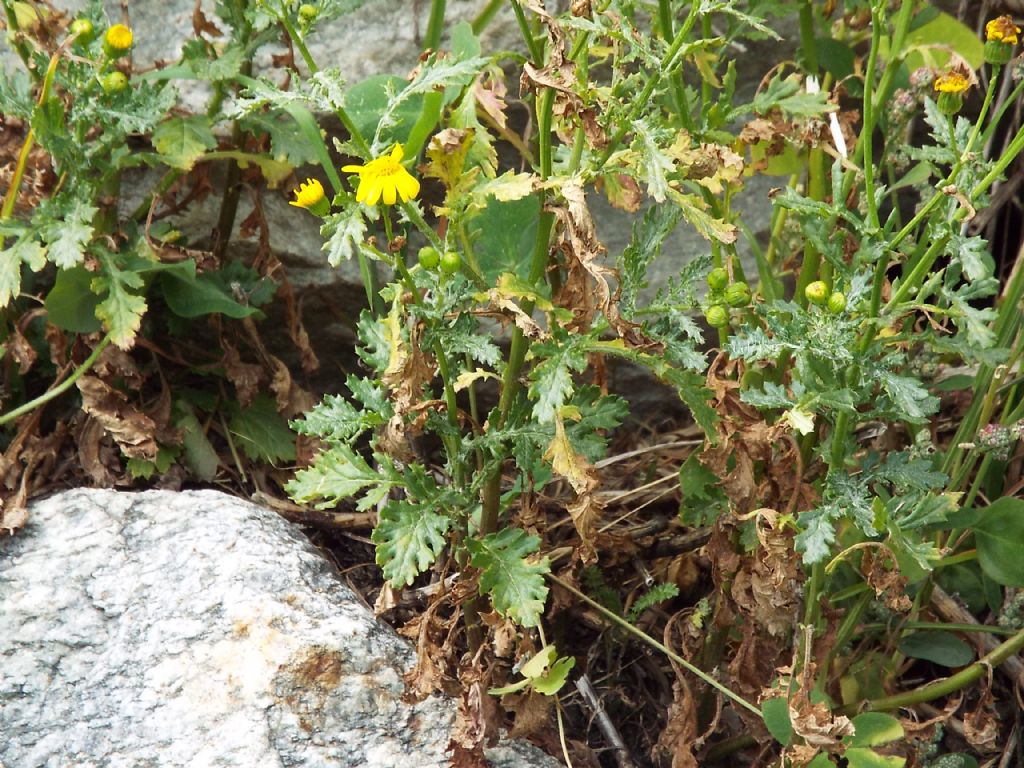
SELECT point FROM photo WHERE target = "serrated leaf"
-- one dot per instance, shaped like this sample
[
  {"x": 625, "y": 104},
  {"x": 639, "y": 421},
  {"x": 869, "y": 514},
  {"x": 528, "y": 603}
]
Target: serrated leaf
[
  {"x": 507, "y": 187},
  {"x": 409, "y": 538},
  {"x": 183, "y": 140},
  {"x": 567, "y": 463},
  {"x": 658, "y": 593},
  {"x": 818, "y": 534},
  {"x": 345, "y": 232},
  {"x": 336, "y": 420},
  {"x": 910, "y": 398},
  {"x": 695, "y": 211},
  {"x": 121, "y": 311},
  {"x": 25, "y": 250},
  {"x": 68, "y": 238},
  {"x": 261, "y": 431},
  {"x": 516, "y": 586},
  {"x": 335, "y": 474},
  {"x": 771, "y": 395}
]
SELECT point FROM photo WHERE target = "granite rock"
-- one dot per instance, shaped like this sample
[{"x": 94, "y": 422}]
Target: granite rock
[{"x": 165, "y": 629}]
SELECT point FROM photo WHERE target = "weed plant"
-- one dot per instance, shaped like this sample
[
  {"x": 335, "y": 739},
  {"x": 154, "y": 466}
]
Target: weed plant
[{"x": 838, "y": 507}]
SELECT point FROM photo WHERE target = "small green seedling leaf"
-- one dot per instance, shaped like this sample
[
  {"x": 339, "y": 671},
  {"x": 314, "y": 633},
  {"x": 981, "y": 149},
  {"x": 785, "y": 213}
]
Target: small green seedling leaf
[
  {"x": 943, "y": 648},
  {"x": 872, "y": 729},
  {"x": 860, "y": 757},
  {"x": 776, "y": 719}
]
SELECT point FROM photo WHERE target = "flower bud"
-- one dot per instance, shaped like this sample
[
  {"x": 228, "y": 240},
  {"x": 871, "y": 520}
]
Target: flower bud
[
  {"x": 1000, "y": 38},
  {"x": 451, "y": 262},
  {"x": 718, "y": 278},
  {"x": 115, "y": 82},
  {"x": 837, "y": 303},
  {"x": 717, "y": 316},
  {"x": 117, "y": 41},
  {"x": 817, "y": 293},
  {"x": 308, "y": 13},
  {"x": 428, "y": 257},
  {"x": 737, "y": 295},
  {"x": 83, "y": 31}
]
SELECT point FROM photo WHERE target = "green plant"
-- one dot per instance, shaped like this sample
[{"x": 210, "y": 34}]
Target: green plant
[{"x": 825, "y": 545}]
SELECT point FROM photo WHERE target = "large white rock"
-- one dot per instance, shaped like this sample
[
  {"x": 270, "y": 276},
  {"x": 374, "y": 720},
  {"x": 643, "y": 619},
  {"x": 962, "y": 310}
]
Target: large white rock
[{"x": 193, "y": 629}]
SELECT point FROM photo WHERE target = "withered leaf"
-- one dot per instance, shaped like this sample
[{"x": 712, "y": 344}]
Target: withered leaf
[{"x": 132, "y": 430}]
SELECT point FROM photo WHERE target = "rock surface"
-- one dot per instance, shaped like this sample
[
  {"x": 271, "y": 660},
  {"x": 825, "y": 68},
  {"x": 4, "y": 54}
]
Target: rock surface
[{"x": 159, "y": 629}]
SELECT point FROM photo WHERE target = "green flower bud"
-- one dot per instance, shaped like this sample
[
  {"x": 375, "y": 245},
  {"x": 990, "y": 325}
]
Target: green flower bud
[
  {"x": 428, "y": 257},
  {"x": 450, "y": 262},
  {"x": 718, "y": 278},
  {"x": 83, "y": 31},
  {"x": 308, "y": 13},
  {"x": 115, "y": 82},
  {"x": 837, "y": 303},
  {"x": 817, "y": 293},
  {"x": 737, "y": 295},
  {"x": 998, "y": 52},
  {"x": 950, "y": 103},
  {"x": 717, "y": 316}
]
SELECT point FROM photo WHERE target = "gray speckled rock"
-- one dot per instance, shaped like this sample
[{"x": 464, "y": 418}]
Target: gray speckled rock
[{"x": 159, "y": 629}]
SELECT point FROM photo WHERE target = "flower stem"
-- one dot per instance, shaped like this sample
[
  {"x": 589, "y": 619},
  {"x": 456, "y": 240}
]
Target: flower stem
[
  {"x": 435, "y": 26},
  {"x": 343, "y": 116},
  {"x": 668, "y": 64},
  {"x": 932, "y": 691},
  {"x": 59, "y": 389},
  {"x": 623, "y": 624}
]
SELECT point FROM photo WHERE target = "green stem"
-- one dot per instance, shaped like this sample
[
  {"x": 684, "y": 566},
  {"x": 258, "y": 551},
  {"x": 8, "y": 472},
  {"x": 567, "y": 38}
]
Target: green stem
[
  {"x": 26, "y": 147},
  {"x": 536, "y": 49},
  {"x": 343, "y": 116},
  {"x": 484, "y": 17},
  {"x": 625, "y": 625},
  {"x": 668, "y": 64},
  {"x": 938, "y": 625},
  {"x": 843, "y": 635},
  {"x": 807, "y": 44},
  {"x": 61, "y": 388},
  {"x": 435, "y": 26},
  {"x": 932, "y": 691}
]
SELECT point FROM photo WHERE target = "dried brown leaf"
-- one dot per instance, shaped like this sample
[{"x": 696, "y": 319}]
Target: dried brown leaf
[{"x": 132, "y": 430}]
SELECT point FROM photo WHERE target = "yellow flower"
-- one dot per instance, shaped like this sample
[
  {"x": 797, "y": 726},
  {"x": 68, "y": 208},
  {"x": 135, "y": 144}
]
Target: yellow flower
[
  {"x": 118, "y": 38},
  {"x": 384, "y": 179},
  {"x": 310, "y": 195},
  {"x": 953, "y": 81},
  {"x": 1002, "y": 30}
]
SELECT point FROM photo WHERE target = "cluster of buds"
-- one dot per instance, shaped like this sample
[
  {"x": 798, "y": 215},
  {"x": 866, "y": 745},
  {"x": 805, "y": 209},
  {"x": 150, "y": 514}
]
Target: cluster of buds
[
  {"x": 722, "y": 295},
  {"x": 998, "y": 440}
]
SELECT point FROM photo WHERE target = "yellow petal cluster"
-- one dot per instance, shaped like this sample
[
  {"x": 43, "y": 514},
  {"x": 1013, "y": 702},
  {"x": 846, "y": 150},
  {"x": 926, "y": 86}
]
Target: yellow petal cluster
[
  {"x": 119, "y": 37},
  {"x": 1002, "y": 30},
  {"x": 384, "y": 180},
  {"x": 310, "y": 195},
  {"x": 952, "y": 82}
]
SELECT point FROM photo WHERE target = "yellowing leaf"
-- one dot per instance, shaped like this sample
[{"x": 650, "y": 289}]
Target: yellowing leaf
[
  {"x": 801, "y": 421},
  {"x": 508, "y": 186},
  {"x": 466, "y": 378},
  {"x": 569, "y": 464}
]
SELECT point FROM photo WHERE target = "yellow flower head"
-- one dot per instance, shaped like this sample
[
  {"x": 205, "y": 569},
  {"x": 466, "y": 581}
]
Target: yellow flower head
[
  {"x": 1002, "y": 30},
  {"x": 953, "y": 81},
  {"x": 119, "y": 37},
  {"x": 384, "y": 179},
  {"x": 310, "y": 195}
]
